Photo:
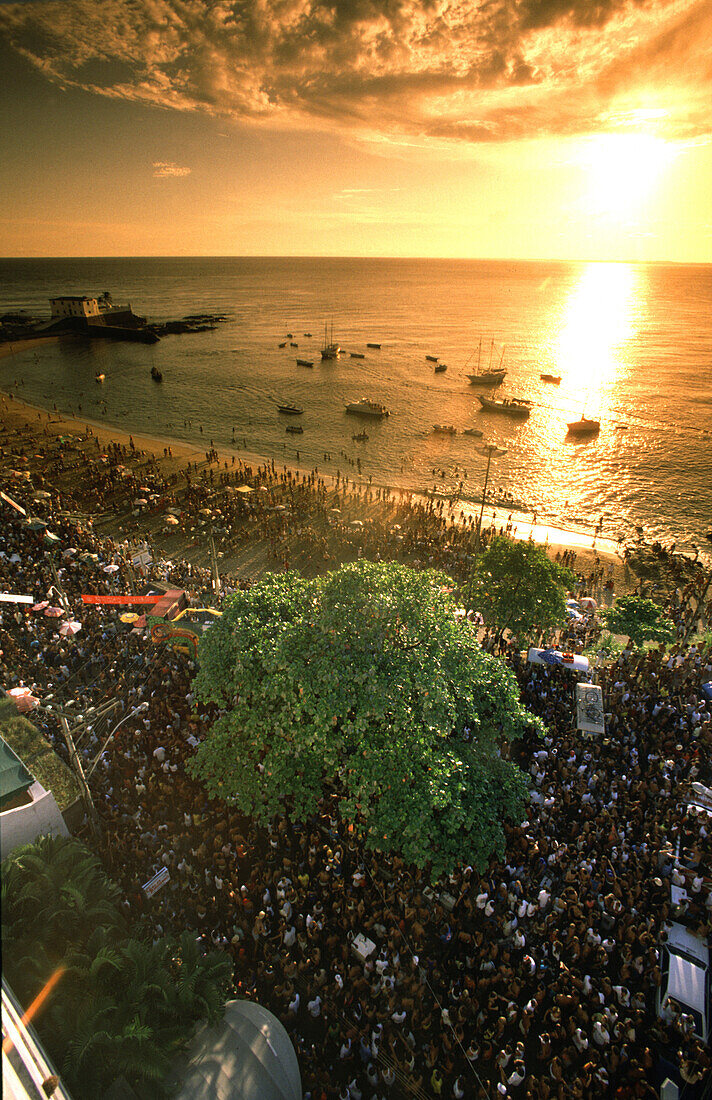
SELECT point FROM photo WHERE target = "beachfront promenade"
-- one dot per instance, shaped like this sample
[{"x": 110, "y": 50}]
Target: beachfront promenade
[{"x": 536, "y": 978}]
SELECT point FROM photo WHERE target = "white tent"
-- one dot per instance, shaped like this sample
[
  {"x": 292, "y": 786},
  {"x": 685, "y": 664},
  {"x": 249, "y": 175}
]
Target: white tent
[{"x": 247, "y": 1056}]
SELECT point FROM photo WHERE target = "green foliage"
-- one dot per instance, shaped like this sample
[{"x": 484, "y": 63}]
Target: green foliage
[
  {"x": 605, "y": 646},
  {"x": 363, "y": 680},
  {"x": 516, "y": 586},
  {"x": 121, "y": 1007},
  {"x": 640, "y": 619}
]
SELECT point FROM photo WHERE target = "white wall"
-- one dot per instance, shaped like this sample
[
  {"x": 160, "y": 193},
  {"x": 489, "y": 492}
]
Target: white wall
[{"x": 25, "y": 823}]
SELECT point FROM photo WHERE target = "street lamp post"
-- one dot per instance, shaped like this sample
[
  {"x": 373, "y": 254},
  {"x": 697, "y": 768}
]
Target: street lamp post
[
  {"x": 74, "y": 757},
  {"x": 491, "y": 451}
]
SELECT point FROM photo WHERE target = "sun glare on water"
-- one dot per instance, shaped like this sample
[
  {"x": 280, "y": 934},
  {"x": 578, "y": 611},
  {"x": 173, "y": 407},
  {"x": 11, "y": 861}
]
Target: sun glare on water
[{"x": 598, "y": 320}]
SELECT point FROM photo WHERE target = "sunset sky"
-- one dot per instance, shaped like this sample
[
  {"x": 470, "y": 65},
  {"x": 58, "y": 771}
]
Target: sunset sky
[{"x": 572, "y": 129}]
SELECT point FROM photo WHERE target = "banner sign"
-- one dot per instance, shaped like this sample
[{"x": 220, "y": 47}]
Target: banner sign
[
  {"x": 12, "y": 503},
  {"x": 7, "y": 597},
  {"x": 154, "y": 884},
  {"x": 575, "y": 661},
  {"x": 589, "y": 708},
  {"x": 153, "y": 598}
]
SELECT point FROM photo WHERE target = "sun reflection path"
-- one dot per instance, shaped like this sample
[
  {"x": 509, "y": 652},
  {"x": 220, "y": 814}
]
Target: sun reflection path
[{"x": 598, "y": 321}]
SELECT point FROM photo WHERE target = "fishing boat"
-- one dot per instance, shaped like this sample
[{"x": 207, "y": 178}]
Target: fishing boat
[
  {"x": 330, "y": 348},
  {"x": 491, "y": 376},
  {"x": 295, "y": 429},
  {"x": 360, "y": 437},
  {"x": 357, "y": 355},
  {"x": 99, "y": 377},
  {"x": 308, "y": 335},
  {"x": 305, "y": 363},
  {"x": 374, "y": 346},
  {"x": 584, "y": 426},
  {"x": 555, "y": 379},
  {"x": 473, "y": 431},
  {"x": 290, "y": 410},
  {"x": 293, "y": 345},
  {"x": 516, "y": 407},
  {"x": 284, "y": 344},
  {"x": 364, "y": 407},
  {"x": 440, "y": 367},
  {"x": 445, "y": 429},
  {"x": 432, "y": 358},
  {"x": 156, "y": 374}
]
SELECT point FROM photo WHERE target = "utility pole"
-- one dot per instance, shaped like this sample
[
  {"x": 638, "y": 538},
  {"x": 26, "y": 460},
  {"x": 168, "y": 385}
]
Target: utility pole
[
  {"x": 58, "y": 585},
  {"x": 214, "y": 563},
  {"x": 79, "y": 772}
]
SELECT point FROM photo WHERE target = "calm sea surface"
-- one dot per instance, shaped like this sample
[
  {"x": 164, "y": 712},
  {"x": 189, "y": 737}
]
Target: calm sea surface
[{"x": 632, "y": 344}]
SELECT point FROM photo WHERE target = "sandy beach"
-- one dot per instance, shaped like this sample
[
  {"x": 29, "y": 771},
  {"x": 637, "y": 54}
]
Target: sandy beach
[{"x": 34, "y": 431}]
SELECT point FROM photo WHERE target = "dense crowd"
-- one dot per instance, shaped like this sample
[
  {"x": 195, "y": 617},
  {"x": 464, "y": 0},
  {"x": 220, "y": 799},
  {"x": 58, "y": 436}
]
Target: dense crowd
[{"x": 536, "y": 978}]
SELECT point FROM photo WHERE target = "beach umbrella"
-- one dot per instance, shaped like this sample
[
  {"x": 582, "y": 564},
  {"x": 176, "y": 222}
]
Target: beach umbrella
[
  {"x": 111, "y": 568},
  {"x": 572, "y": 603},
  {"x": 140, "y": 501},
  {"x": 53, "y": 612},
  {"x": 128, "y": 617},
  {"x": 42, "y": 494},
  {"x": 356, "y": 523},
  {"x": 206, "y": 512},
  {"x": 171, "y": 520},
  {"x": 41, "y": 605},
  {"x": 588, "y": 602},
  {"x": 23, "y": 698},
  {"x": 69, "y": 552},
  {"x": 69, "y": 628}
]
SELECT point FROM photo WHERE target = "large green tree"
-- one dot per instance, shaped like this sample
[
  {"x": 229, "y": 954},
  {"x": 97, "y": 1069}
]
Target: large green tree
[
  {"x": 516, "y": 586},
  {"x": 121, "y": 1007},
  {"x": 639, "y": 619},
  {"x": 364, "y": 682}
]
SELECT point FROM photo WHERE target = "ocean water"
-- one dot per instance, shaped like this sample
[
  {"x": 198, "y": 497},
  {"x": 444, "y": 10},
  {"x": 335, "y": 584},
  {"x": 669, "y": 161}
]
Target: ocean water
[{"x": 632, "y": 344}]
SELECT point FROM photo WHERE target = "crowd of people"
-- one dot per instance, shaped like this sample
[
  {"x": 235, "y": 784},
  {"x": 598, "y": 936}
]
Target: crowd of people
[{"x": 536, "y": 977}]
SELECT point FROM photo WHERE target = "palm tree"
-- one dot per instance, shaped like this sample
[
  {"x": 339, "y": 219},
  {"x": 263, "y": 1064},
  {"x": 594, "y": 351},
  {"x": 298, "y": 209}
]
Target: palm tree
[
  {"x": 200, "y": 981},
  {"x": 56, "y": 890}
]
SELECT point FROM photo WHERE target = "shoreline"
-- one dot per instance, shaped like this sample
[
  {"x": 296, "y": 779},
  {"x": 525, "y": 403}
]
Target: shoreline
[{"x": 523, "y": 528}]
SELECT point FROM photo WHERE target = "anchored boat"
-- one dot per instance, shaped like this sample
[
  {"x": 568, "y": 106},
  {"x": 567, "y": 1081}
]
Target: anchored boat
[
  {"x": 516, "y": 407},
  {"x": 364, "y": 407}
]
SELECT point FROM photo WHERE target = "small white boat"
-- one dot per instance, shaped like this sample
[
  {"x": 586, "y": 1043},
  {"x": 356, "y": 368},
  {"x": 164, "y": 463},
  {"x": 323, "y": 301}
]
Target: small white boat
[
  {"x": 364, "y": 407},
  {"x": 432, "y": 358},
  {"x": 555, "y": 379},
  {"x": 473, "y": 431},
  {"x": 305, "y": 363},
  {"x": 440, "y": 367},
  {"x": 445, "y": 429},
  {"x": 373, "y": 346}
]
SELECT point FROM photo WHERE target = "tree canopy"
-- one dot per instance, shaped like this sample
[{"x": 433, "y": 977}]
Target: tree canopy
[
  {"x": 363, "y": 681},
  {"x": 516, "y": 586},
  {"x": 120, "y": 1007},
  {"x": 639, "y": 619}
]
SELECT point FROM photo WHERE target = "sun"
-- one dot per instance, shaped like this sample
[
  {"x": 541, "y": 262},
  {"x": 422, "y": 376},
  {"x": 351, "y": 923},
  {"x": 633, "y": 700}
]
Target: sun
[{"x": 623, "y": 170}]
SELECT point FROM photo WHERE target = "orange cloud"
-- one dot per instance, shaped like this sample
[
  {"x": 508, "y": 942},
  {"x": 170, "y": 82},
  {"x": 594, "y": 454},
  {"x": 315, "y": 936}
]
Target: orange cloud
[{"x": 459, "y": 70}]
